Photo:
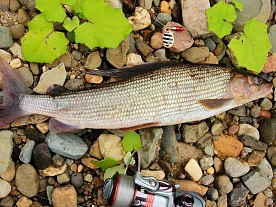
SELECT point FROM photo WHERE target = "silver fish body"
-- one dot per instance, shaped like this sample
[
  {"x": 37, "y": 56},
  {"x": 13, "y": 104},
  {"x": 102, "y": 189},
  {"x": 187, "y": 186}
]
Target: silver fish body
[{"x": 174, "y": 93}]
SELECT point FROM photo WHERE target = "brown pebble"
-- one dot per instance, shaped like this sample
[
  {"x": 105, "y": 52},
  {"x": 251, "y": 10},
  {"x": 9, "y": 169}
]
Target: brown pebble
[
  {"x": 98, "y": 182},
  {"x": 14, "y": 5},
  {"x": 156, "y": 40},
  {"x": 65, "y": 196},
  {"x": 270, "y": 64},
  {"x": 260, "y": 200},
  {"x": 74, "y": 167},
  {"x": 165, "y": 7},
  {"x": 93, "y": 78},
  {"x": 17, "y": 31},
  {"x": 23, "y": 17}
]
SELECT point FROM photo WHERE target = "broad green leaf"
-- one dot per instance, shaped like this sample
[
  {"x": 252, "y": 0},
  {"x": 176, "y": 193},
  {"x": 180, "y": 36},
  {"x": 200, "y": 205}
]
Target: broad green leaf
[
  {"x": 41, "y": 43},
  {"x": 71, "y": 24},
  {"x": 69, "y": 2},
  {"x": 220, "y": 18},
  {"x": 106, "y": 163},
  {"x": 237, "y": 4},
  {"x": 106, "y": 26},
  {"x": 52, "y": 9},
  {"x": 110, "y": 172},
  {"x": 128, "y": 159},
  {"x": 77, "y": 6},
  {"x": 131, "y": 141},
  {"x": 252, "y": 48}
]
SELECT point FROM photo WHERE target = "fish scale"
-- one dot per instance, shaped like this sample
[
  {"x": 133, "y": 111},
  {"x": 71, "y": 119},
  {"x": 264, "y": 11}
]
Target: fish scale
[{"x": 165, "y": 96}]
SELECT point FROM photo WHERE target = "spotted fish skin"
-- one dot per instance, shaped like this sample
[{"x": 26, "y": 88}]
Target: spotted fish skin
[{"x": 168, "y": 95}]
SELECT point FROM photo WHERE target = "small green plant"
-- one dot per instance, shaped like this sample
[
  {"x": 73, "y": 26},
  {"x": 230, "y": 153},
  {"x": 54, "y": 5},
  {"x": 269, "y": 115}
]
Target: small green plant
[
  {"x": 252, "y": 47},
  {"x": 131, "y": 143},
  {"x": 92, "y": 23}
]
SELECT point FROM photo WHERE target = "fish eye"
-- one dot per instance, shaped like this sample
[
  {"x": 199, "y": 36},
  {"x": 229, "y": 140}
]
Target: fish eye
[{"x": 257, "y": 80}]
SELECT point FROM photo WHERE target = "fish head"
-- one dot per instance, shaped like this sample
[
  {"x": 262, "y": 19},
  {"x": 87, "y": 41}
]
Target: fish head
[{"x": 245, "y": 86}]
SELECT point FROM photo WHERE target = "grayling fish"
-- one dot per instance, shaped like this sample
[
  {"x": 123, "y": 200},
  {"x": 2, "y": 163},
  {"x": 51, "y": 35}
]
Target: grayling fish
[{"x": 168, "y": 93}]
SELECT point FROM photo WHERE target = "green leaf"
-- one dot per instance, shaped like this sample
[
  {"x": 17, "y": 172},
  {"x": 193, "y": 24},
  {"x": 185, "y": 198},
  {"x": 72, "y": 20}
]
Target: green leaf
[
  {"x": 52, "y": 9},
  {"x": 106, "y": 26},
  {"x": 220, "y": 18},
  {"x": 237, "y": 4},
  {"x": 128, "y": 158},
  {"x": 252, "y": 48},
  {"x": 131, "y": 141},
  {"x": 71, "y": 24},
  {"x": 69, "y": 2},
  {"x": 41, "y": 43},
  {"x": 106, "y": 163},
  {"x": 110, "y": 172}
]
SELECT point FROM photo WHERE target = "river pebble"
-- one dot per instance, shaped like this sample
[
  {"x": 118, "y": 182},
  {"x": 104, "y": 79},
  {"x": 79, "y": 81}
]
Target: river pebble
[
  {"x": 150, "y": 141},
  {"x": 140, "y": 19},
  {"x": 53, "y": 170},
  {"x": 17, "y": 51},
  {"x": 255, "y": 181},
  {"x": 267, "y": 129},
  {"x": 271, "y": 155},
  {"x": 24, "y": 202},
  {"x": 14, "y": 5},
  {"x": 212, "y": 194},
  {"x": 156, "y": 41},
  {"x": 169, "y": 144},
  {"x": 26, "y": 152},
  {"x": 207, "y": 179},
  {"x": 255, "y": 158},
  {"x": 17, "y": 31},
  {"x": 265, "y": 169},
  {"x": 77, "y": 179},
  {"x": 253, "y": 143},
  {"x": 193, "y": 169},
  {"x": 10, "y": 172},
  {"x": 6, "y": 148},
  {"x": 266, "y": 104},
  {"x": 195, "y": 54},
  {"x": 145, "y": 3},
  {"x": 66, "y": 144},
  {"x": 64, "y": 196},
  {"x": 238, "y": 195},
  {"x": 26, "y": 180},
  {"x": 5, "y": 188},
  {"x": 93, "y": 60},
  {"x": 233, "y": 149},
  {"x": 5, "y": 37},
  {"x": 235, "y": 168},
  {"x": 63, "y": 178},
  {"x": 42, "y": 156},
  {"x": 192, "y": 133},
  {"x": 206, "y": 162},
  {"x": 223, "y": 184}
]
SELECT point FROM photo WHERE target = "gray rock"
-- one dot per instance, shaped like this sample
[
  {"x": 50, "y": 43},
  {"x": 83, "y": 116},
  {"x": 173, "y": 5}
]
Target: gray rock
[
  {"x": 93, "y": 60},
  {"x": 266, "y": 104},
  {"x": 5, "y": 188},
  {"x": 212, "y": 194},
  {"x": 74, "y": 84},
  {"x": 210, "y": 44},
  {"x": 30, "y": 4},
  {"x": 34, "y": 68},
  {"x": 238, "y": 111},
  {"x": 204, "y": 141},
  {"x": 235, "y": 168},
  {"x": 195, "y": 54},
  {"x": 206, "y": 162},
  {"x": 58, "y": 160},
  {"x": 117, "y": 56},
  {"x": 63, "y": 178},
  {"x": 253, "y": 143},
  {"x": 132, "y": 47},
  {"x": 26, "y": 180},
  {"x": 144, "y": 48},
  {"x": 217, "y": 129},
  {"x": 145, "y": 3},
  {"x": 248, "y": 130},
  {"x": 169, "y": 143},
  {"x": 26, "y": 152},
  {"x": 265, "y": 169},
  {"x": 255, "y": 181},
  {"x": 221, "y": 54},
  {"x": 209, "y": 150},
  {"x": 161, "y": 54},
  {"x": 267, "y": 129},
  {"x": 258, "y": 8},
  {"x": 6, "y": 147},
  {"x": 272, "y": 38},
  {"x": 77, "y": 179},
  {"x": 25, "y": 75},
  {"x": 162, "y": 19},
  {"x": 7, "y": 202},
  {"x": 207, "y": 179},
  {"x": 77, "y": 54},
  {"x": 42, "y": 156},
  {"x": 5, "y": 37},
  {"x": 67, "y": 145},
  {"x": 149, "y": 139},
  {"x": 238, "y": 195},
  {"x": 223, "y": 184},
  {"x": 49, "y": 191},
  {"x": 194, "y": 16},
  {"x": 192, "y": 133}
]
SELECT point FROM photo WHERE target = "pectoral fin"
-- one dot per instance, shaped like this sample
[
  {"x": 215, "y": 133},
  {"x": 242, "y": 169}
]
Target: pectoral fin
[
  {"x": 214, "y": 103},
  {"x": 57, "y": 126},
  {"x": 139, "y": 127}
]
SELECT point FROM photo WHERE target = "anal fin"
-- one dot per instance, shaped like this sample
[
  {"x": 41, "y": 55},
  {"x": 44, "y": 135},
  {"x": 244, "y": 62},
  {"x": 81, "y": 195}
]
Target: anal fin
[
  {"x": 214, "y": 103},
  {"x": 57, "y": 126},
  {"x": 139, "y": 126}
]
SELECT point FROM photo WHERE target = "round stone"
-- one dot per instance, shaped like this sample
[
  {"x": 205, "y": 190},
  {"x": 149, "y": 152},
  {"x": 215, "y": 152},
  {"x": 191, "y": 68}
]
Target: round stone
[{"x": 5, "y": 188}]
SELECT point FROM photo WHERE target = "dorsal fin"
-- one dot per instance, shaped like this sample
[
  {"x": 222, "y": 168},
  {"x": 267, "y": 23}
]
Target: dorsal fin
[{"x": 134, "y": 70}]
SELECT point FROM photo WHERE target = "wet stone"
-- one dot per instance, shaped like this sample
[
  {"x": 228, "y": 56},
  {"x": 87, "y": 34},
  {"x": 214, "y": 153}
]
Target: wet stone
[
  {"x": 210, "y": 44},
  {"x": 238, "y": 195},
  {"x": 42, "y": 156},
  {"x": 26, "y": 180},
  {"x": 212, "y": 194},
  {"x": 26, "y": 152},
  {"x": 267, "y": 129},
  {"x": 235, "y": 168},
  {"x": 253, "y": 143},
  {"x": 223, "y": 184},
  {"x": 255, "y": 182},
  {"x": 35, "y": 135}
]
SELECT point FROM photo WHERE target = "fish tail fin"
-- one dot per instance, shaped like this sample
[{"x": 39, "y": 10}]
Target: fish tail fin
[{"x": 12, "y": 88}]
